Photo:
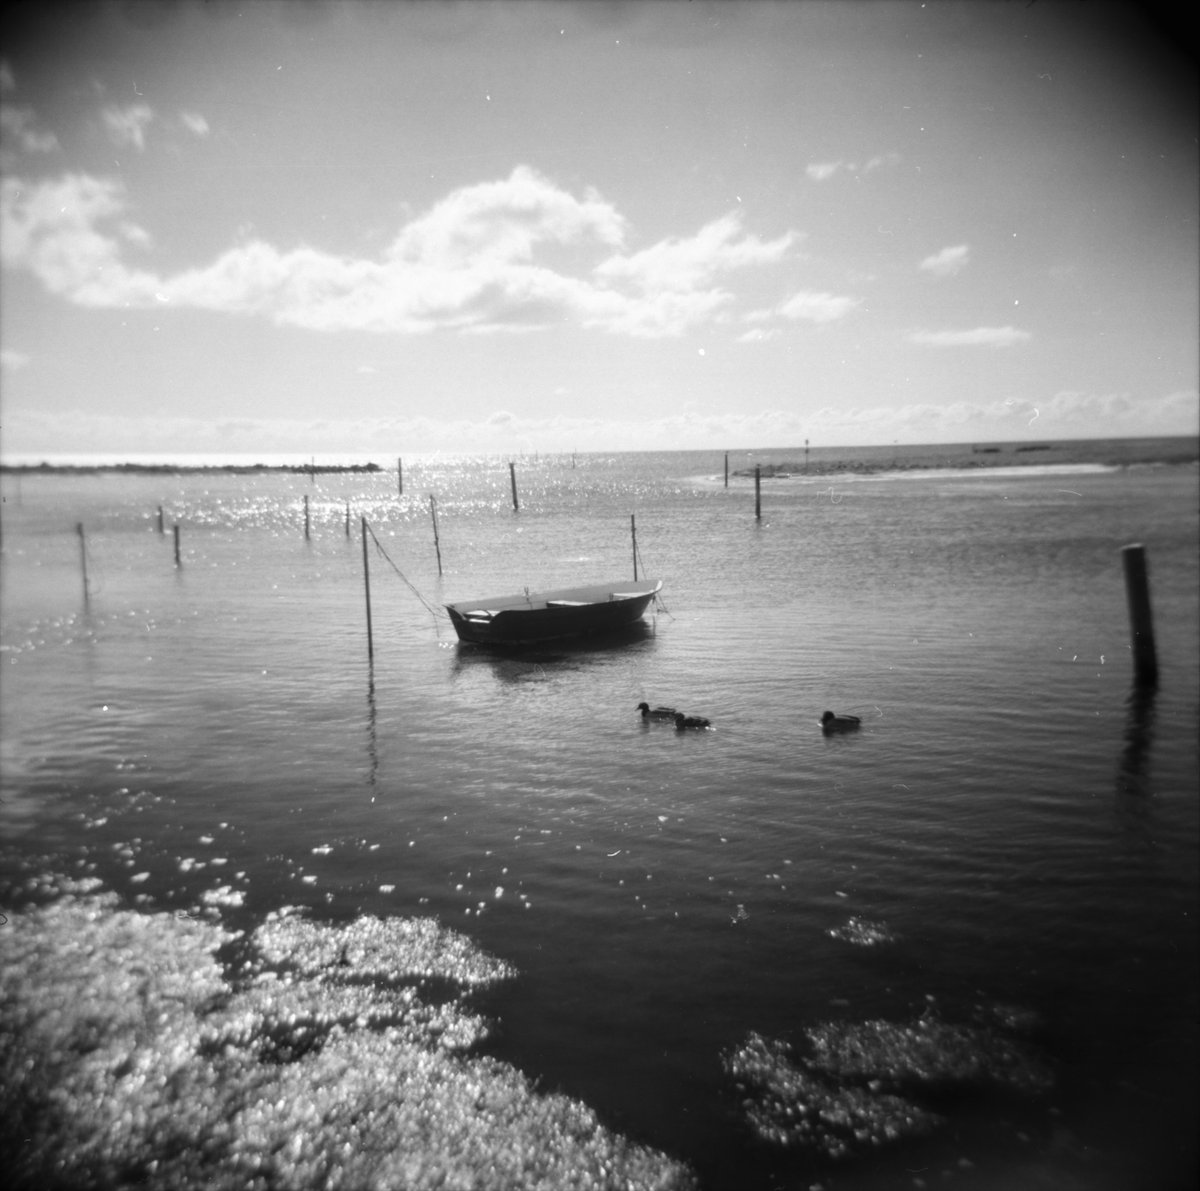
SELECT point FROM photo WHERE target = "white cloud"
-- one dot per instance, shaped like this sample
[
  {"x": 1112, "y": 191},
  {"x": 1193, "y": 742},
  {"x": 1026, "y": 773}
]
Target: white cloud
[
  {"x": 813, "y": 307},
  {"x": 51, "y": 229},
  {"x": 18, "y": 123},
  {"x": 680, "y": 264},
  {"x": 976, "y": 337},
  {"x": 194, "y": 122},
  {"x": 947, "y": 262},
  {"x": 469, "y": 263},
  {"x": 879, "y": 161},
  {"x": 822, "y": 171},
  {"x": 504, "y": 221},
  {"x": 127, "y": 126},
  {"x": 12, "y": 360}
]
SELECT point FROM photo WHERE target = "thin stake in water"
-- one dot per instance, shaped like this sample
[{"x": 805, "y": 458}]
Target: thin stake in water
[
  {"x": 436, "y": 542},
  {"x": 367, "y": 586}
]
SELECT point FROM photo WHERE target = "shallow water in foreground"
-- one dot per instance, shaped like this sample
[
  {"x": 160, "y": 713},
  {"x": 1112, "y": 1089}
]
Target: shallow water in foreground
[{"x": 1006, "y": 852}]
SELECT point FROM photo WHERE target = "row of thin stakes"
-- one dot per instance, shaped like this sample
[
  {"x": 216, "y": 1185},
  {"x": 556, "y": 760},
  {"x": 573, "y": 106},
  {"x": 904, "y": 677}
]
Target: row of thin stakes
[{"x": 1137, "y": 588}]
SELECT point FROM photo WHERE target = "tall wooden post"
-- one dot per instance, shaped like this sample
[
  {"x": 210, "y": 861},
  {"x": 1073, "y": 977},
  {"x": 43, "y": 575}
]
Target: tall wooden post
[
  {"x": 633, "y": 533},
  {"x": 726, "y": 469},
  {"x": 306, "y": 520},
  {"x": 178, "y": 560},
  {"x": 758, "y": 492},
  {"x": 1137, "y": 593},
  {"x": 367, "y": 587},
  {"x": 512, "y": 475},
  {"x": 83, "y": 559},
  {"x": 400, "y": 476},
  {"x": 347, "y": 518},
  {"x": 160, "y": 520},
  {"x": 437, "y": 545}
]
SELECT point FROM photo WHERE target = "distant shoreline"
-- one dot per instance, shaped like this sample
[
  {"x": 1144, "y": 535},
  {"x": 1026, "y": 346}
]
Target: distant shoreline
[
  {"x": 788, "y": 462},
  {"x": 182, "y": 469}
]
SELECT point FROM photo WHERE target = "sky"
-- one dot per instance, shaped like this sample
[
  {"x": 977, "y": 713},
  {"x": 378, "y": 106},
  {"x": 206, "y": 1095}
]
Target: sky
[{"x": 368, "y": 228}]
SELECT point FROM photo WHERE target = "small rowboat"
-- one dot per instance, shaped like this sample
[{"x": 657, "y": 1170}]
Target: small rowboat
[{"x": 535, "y": 616}]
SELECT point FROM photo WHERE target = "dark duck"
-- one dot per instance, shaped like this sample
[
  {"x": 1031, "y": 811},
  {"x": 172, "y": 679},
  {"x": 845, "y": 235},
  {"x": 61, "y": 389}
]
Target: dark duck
[
  {"x": 690, "y": 721},
  {"x": 839, "y": 723},
  {"x": 656, "y": 713}
]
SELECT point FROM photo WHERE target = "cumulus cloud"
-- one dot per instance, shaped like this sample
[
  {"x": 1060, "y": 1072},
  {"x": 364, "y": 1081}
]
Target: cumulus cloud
[
  {"x": 126, "y": 126},
  {"x": 681, "y": 264},
  {"x": 53, "y": 230},
  {"x": 976, "y": 337},
  {"x": 947, "y": 262},
  {"x": 471, "y": 263}
]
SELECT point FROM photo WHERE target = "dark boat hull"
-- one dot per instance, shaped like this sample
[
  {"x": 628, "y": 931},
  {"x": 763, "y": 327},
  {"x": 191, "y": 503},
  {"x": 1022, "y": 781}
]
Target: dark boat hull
[{"x": 533, "y": 617}]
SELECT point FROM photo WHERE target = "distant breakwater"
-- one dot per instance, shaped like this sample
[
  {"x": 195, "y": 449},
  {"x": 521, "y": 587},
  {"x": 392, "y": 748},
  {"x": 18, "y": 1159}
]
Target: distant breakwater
[{"x": 180, "y": 469}]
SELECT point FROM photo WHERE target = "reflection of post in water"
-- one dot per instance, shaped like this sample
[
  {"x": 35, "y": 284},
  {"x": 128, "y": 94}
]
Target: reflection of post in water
[
  {"x": 372, "y": 751},
  {"x": 1139, "y": 734}
]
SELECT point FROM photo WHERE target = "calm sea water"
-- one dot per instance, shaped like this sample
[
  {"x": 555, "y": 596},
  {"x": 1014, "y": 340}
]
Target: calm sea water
[{"x": 1014, "y": 826}]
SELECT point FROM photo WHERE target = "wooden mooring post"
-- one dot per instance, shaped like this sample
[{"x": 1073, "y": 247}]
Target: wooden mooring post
[
  {"x": 83, "y": 559},
  {"x": 400, "y": 477},
  {"x": 726, "y": 469},
  {"x": 437, "y": 545},
  {"x": 1141, "y": 626},
  {"x": 160, "y": 520},
  {"x": 175, "y": 529},
  {"x": 347, "y": 518},
  {"x": 306, "y": 520},
  {"x": 512, "y": 475},
  {"x": 367, "y": 587},
  {"x": 633, "y": 534},
  {"x": 758, "y": 492}
]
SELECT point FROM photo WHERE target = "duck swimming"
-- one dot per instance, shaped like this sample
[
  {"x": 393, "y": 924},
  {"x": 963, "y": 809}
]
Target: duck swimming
[
  {"x": 656, "y": 713},
  {"x": 839, "y": 723},
  {"x": 691, "y": 721}
]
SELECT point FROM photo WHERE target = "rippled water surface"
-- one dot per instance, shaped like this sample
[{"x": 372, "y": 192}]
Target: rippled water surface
[{"x": 1013, "y": 830}]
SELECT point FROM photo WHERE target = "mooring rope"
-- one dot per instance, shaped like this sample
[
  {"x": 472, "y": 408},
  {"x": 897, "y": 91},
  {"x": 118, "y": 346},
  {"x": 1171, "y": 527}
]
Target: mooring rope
[
  {"x": 432, "y": 609},
  {"x": 658, "y": 600}
]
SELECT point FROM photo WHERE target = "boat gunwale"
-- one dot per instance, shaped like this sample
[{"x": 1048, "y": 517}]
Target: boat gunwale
[{"x": 597, "y": 595}]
